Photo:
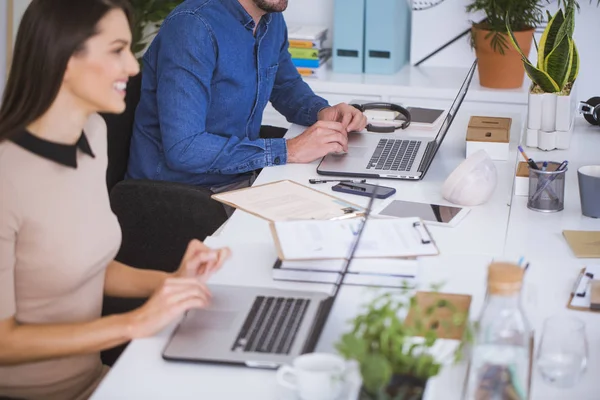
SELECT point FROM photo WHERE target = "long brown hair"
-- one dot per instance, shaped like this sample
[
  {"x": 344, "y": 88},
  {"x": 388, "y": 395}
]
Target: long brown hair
[{"x": 50, "y": 33}]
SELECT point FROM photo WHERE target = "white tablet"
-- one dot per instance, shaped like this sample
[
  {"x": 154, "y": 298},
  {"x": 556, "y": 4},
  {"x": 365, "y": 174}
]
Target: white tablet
[{"x": 431, "y": 214}]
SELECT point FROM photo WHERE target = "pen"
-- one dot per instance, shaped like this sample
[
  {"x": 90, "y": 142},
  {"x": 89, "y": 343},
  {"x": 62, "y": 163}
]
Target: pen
[
  {"x": 337, "y": 180},
  {"x": 530, "y": 161},
  {"x": 545, "y": 165}
]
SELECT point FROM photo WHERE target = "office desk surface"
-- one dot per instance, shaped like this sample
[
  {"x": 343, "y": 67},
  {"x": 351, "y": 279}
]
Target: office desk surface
[{"x": 493, "y": 230}]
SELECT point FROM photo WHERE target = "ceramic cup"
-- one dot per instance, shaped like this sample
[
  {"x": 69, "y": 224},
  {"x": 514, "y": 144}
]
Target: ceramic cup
[
  {"x": 589, "y": 190},
  {"x": 314, "y": 376}
]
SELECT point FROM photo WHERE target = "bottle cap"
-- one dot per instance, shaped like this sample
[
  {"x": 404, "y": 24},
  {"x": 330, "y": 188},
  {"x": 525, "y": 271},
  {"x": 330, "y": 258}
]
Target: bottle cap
[{"x": 504, "y": 278}]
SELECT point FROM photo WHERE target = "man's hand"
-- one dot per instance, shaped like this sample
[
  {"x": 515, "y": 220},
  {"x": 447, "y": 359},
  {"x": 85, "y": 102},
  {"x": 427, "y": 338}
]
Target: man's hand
[
  {"x": 322, "y": 138},
  {"x": 352, "y": 120}
]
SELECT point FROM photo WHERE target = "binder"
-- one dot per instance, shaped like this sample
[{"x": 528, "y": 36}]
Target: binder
[
  {"x": 585, "y": 295},
  {"x": 387, "y": 35},
  {"x": 348, "y": 36}
]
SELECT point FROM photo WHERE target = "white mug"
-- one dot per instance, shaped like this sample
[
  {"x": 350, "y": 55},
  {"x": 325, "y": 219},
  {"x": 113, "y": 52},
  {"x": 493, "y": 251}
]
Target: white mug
[{"x": 314, "y": 376}]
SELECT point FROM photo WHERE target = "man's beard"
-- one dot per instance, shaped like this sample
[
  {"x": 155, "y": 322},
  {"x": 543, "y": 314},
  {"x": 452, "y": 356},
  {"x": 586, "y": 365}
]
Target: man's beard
[{"x": 271, "y": 5}]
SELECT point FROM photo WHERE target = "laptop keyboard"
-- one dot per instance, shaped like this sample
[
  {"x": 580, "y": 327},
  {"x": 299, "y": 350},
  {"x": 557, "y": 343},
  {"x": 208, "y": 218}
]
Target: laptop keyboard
[
  {"x": 394, "y": 155},
  {"x": 271, "y": 325}
]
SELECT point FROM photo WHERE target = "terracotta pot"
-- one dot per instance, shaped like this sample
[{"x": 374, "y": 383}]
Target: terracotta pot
[{"x": 501, "y": 71}]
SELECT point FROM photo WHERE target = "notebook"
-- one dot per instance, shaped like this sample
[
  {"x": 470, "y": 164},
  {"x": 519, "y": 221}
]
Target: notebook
[{"x": 584, "y": 244}]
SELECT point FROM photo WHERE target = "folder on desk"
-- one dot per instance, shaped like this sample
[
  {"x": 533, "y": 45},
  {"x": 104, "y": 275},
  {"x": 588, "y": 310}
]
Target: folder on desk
[
  {"x": 584, "y": 244},
  {"x": 288, "y": 200},
  {"x": 585, "y": 295},
  {"x": 348, "y": 36},
  {"x": 387, "y": 35}
]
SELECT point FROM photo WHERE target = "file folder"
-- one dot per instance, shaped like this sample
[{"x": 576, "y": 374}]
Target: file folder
[
  {"x": 348, "y": 36},
  {"x": 387, "y": 35}
]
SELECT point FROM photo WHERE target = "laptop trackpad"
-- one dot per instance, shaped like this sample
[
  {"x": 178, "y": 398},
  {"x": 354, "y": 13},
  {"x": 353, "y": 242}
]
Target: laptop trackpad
[
  {"x": 209, "y": 319},
  {"x": 353, "y": 152}
]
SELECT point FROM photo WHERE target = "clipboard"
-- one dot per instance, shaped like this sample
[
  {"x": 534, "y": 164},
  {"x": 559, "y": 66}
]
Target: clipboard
[
  {"x": 319, "y": 240},
  {"x": 589, "y": 286},
  {"x": 287, "y": 200}
]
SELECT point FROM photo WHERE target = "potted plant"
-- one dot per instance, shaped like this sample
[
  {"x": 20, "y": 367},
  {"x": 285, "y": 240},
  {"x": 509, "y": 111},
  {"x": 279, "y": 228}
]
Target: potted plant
[
  {"x": 394, "y": 353},
  {"x": 499, "y": 63},
  {"x": 147, "y": 18},
  {"x": 552, "y": 105}
]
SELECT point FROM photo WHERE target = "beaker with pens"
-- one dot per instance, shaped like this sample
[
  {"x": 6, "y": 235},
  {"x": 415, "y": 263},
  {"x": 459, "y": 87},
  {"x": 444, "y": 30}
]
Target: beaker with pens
[{"x": 547, "y": 186}]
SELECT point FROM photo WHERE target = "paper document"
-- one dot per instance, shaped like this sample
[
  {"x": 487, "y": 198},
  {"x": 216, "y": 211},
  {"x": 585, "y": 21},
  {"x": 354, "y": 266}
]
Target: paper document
[
  {"x": 288, "y": 200},
  {"x": 305, "y": 240},
  {"x": 584, "y": 244}
]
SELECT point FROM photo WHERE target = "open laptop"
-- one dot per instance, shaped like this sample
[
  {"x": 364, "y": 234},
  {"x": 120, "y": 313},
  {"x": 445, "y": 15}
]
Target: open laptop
[
  {"x": 256, "y": 327},
  {"x": 388, "y": 156}
]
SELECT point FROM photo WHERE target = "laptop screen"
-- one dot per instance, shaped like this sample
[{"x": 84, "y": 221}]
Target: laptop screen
[
  {"x": 354, "y": 245},
  {"x": 455, "y": 106}
]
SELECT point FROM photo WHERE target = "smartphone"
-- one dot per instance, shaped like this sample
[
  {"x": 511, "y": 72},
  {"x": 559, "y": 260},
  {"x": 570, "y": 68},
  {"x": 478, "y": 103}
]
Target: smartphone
[{"x": 364, "y": 189}]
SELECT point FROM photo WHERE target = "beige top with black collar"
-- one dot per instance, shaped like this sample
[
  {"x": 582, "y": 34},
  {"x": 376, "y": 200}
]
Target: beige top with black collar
[{"x": 57, "y": 236}]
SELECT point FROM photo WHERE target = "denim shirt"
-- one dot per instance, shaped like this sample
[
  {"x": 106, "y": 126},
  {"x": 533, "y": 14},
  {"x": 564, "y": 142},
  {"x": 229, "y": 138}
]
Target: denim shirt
[{"x": 206, "y": 80}]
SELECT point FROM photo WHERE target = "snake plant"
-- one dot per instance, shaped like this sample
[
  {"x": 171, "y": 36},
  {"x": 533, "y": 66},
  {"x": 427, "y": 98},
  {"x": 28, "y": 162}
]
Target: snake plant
[{"x": 558, "y": 60}]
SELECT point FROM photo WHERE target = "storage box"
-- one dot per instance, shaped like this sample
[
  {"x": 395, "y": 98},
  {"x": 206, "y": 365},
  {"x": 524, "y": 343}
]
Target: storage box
[
  {"x": 522, "y": 179},
  {"x": 491, "y": 134}
]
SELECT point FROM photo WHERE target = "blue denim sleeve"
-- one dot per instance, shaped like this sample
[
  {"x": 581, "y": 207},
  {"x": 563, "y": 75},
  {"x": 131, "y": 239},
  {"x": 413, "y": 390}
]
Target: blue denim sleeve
[
  {"x": 184, "y": 70},
  {"x": 291, "y": 96}
]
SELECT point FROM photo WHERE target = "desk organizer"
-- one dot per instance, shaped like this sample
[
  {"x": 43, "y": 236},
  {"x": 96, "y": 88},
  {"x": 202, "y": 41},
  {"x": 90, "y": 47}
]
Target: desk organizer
[
  {"x": 522, "y": 179},
  {"x": 491, "y": 134}
]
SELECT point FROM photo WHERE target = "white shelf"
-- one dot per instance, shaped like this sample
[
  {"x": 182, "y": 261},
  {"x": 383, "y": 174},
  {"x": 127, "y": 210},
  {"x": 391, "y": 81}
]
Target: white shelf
[{"x": 441, "y": 83}]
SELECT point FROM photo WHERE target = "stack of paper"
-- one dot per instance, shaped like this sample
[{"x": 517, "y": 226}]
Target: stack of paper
[{"x": 317, "y": 251}]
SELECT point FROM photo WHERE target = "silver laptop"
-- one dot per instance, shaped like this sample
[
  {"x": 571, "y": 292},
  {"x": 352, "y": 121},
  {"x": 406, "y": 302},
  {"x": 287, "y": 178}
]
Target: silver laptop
[
  {"x": 256, "y": 327},
  {"x": 388, "y": 156}
]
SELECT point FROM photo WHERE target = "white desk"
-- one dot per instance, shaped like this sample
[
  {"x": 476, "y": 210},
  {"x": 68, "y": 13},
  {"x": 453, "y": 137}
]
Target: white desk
[{"x": 466, "y": 252}]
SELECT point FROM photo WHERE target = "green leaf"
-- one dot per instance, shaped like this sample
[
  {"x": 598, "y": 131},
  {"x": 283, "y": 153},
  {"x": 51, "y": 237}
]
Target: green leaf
[
  {"x": 549, "y": 36},
  {"x": 558, "y": 63},
  {"x": 352, "y": 347},
  {"x": 541, "y": 78},
  {"x": 376, "y": 372},
  {"x": 574, "y": 65}
]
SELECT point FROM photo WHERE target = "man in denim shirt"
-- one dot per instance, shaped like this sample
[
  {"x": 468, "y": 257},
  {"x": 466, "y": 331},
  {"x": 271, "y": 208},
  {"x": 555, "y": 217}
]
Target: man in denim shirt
[{"x": 207, "y": 78}]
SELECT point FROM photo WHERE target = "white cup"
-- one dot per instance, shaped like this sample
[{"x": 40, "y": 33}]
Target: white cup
[{"x": 314, "y": 376}]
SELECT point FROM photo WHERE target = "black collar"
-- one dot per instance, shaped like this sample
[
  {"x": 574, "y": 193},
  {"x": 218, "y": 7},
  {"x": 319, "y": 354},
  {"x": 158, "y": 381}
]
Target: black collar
[{"x": 65, "y": 154}]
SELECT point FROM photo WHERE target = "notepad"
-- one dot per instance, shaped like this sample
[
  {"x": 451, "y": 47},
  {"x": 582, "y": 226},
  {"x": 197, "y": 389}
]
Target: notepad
[
  {"x": 381, "y": 238},
  {"x": 584, "y": 244}
]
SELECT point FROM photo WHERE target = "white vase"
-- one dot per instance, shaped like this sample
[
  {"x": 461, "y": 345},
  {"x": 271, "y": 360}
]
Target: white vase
[{"x": 550, "y": 120}]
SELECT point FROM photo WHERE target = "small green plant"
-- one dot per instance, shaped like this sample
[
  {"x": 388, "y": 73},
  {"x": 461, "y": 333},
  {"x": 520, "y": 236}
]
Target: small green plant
[
  {"x": 147, "y": 18},
  {"x": 558, "y": 59},
  {"x": 387, "y": 347}
]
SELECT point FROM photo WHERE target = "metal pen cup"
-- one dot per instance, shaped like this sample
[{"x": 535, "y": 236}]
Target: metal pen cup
[{"x": 547, "y": 188}]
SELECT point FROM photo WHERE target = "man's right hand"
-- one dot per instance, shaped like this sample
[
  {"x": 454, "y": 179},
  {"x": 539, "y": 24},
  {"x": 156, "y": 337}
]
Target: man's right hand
[{"x": 322, "y": 138}]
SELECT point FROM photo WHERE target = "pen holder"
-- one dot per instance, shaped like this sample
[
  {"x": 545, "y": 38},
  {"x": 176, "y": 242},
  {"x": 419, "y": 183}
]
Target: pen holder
[{"x": 547, "y": 188}]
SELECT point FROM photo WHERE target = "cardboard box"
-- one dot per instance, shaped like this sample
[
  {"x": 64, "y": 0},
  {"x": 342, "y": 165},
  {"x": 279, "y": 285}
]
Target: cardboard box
[{"x": 491, "y": 134}]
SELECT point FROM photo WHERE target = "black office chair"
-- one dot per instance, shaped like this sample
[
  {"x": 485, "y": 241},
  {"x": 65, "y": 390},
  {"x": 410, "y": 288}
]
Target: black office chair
[{"x": 157, "y": 218}]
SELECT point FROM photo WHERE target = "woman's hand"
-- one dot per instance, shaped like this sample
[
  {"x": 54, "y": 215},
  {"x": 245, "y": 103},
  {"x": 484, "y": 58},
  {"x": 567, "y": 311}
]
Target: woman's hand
[
  {"x": 200, "y": 261},
  {"x": 167, "y": 304}
]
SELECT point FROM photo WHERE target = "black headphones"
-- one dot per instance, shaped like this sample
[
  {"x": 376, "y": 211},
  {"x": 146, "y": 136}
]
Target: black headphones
[
  {"x": 385, "y": 106},
  {"x": 591, "y": 110}
]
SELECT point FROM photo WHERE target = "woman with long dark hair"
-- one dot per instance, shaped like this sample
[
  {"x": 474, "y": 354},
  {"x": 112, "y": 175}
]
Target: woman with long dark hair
[{"x": 58, "y": 235}]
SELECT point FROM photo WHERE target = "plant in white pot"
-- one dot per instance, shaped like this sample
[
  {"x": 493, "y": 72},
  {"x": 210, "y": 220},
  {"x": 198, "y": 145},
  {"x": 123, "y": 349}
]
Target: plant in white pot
[{"x": 552, "y": 106}]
